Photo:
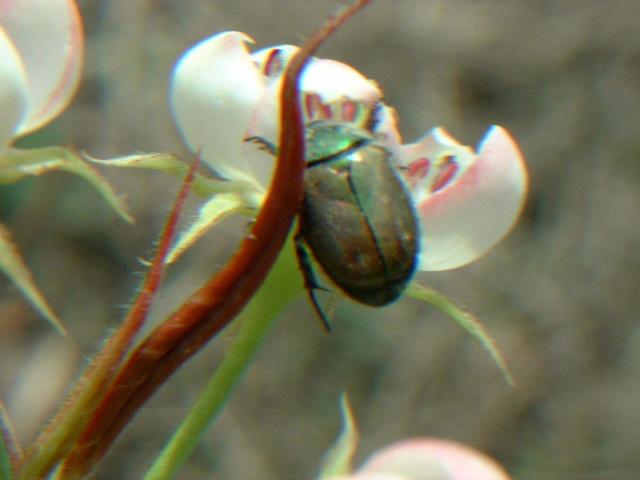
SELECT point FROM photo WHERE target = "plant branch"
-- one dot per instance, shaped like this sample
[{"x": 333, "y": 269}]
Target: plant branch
[
  {"x": 56, "y": 440},
  {"x": 214, "y": 305}
]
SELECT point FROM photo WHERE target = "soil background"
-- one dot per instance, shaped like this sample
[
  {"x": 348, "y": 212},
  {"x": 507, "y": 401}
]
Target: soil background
[{"x": 559, "y": 295}]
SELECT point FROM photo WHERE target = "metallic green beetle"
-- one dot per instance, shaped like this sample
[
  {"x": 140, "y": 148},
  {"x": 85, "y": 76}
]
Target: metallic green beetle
[{"x": 357, "y": 217}]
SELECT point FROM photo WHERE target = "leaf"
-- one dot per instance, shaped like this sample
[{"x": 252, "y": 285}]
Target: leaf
[
  {"x": 5, "y": 461},
  {"x": 15, "y": 164},
  {"x": 14, "y": 267},
  {"x": 337, "y": 460},
  {"x": 172, "y": 165},
  {"x": 225, "y": 197},
  {"x": 466, "y": 320},
  {"x": 8, "y": 444},
  {"x": 211, "y": 212}
]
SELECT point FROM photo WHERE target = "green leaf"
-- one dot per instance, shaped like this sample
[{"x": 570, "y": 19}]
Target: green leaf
[
  {"x": 14, "y": 267},
  {"x": 16, "y": 164},
  {"x": 338, "y": 459},
  {"x": 467, "y": 321},
  {"x": 5, "y": 461},
  {"x": 224, "y": 197},
  {"x": 172, "y": 165},
  {"x": 211, "y": 212},
  {"x": 8, "y": 444}
]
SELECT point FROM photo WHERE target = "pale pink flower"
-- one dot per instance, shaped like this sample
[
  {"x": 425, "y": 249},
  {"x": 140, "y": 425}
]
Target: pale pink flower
[
  {"x": 428, "y": 459},
  {"x": 466, "y": 201}
]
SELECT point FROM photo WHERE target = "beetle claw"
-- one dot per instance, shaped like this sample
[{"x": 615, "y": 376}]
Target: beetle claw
[
  {"x": 263, "y": 144},
  {"x": 310, "y": 282}
]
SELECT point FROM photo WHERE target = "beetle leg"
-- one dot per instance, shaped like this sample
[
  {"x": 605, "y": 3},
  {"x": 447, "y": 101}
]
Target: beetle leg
[
  {"x": 263, "y": 144},
  {"x": 310, "y": 282}
]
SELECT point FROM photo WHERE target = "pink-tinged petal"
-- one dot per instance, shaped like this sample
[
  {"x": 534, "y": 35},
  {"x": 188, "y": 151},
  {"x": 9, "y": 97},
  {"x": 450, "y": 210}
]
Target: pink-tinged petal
[
  {"x": 334, "y": 80},
  {"x": 465, "y": 202},
  {"x": 215, "y": 89},
  {"x": 433, "y": 459},
  {"x": 330, "y": 79},
  {"x": 371, "y": 476},
  {"x": 326, "y": 85},
  {"x": 386, "y": 129},
  {"x": 13, "y": 91},
  {"x": 273, "y": 60},
  {"x": 264, "y": 121},
  {"x": 48, "y": 37}
]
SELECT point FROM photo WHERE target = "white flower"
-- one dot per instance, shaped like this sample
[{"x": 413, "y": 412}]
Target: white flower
[
  {"x": 41, "y": 45},
  {"x": 428, "y": 459},
  {"x": 221, "y": 95}
]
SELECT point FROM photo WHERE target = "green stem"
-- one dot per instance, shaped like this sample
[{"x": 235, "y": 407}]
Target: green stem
[{"x": 280, "y": 288}]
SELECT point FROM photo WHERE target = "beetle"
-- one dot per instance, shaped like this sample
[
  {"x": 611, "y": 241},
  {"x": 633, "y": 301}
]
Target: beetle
[{"x": 357, "y": 217}]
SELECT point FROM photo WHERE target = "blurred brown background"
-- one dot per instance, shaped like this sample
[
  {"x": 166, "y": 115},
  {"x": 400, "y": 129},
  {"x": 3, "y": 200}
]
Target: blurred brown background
[{"x": 560, "y": 295}]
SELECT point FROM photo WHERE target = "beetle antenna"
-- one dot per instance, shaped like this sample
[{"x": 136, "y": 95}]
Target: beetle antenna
[{"x": 310, "y": 282}]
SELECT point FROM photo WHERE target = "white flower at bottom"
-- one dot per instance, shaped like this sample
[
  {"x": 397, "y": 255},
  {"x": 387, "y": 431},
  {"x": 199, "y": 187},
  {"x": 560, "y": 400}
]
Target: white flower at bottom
[{"x": 428, "y": 459}]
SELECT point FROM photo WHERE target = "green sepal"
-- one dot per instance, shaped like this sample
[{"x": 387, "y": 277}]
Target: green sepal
[
  {"x": 16, "y": 164},
  {"x": 167, "y": 163},
  {"x": 339, "y": 458},
  {"x": 466, "y": 320},
  {"x": 12, "y": 264},
  {"x": 214, "y": 210}
]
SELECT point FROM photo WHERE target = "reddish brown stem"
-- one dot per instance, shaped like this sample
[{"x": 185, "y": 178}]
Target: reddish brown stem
[
  {"x": 56, "y": 440},
  {"x": 214, "y": 305}
]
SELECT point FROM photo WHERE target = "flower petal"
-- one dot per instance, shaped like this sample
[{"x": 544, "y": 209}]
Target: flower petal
[
  {"x": 371, "y": 476},
  {"x": 272, "y": 61},
  {"x": 221, "y": 96},
  {"x": 386, "y": 128},
  {"x": 330, "y": 79},
  {"x": 215, "y": 89},
  {"x": 334, "y": 80},
  {"x": 324, "y": 81},
  {"x": 433, "y": 459},
  {"x": 47, "y": 35},
  {"x": 264, "y": 123},
  {"x": 13, "y": 90},
  {"x": 465, "y": 203}
]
